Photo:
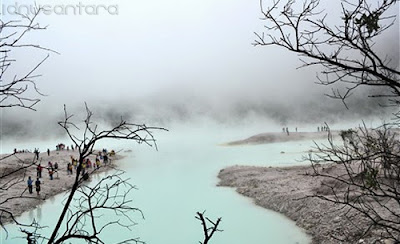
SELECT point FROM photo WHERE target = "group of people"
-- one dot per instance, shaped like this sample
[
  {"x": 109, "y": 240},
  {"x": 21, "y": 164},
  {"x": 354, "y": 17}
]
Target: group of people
[
  {"x": 319, "y": 129},
  {"x": 88, "y": 164},
  {"x": 323, "y": 128},
  {"x": 61, "y": 147},
  {"x": 52, "y": 168},
  {"x": 74, "y": 164},
  {"x": 30, "y": 185},
  {"x": 21, "y": 151}
]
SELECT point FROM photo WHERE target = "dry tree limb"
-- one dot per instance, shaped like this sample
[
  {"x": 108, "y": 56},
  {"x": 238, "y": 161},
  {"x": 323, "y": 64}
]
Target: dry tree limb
[{"x": 209, "y": 226}]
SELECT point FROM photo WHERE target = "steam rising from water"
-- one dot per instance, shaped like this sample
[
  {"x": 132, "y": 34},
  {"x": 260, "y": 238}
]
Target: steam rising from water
[
  {"x": 179, "y": 62},
  {"x": 159, "y": 111}
]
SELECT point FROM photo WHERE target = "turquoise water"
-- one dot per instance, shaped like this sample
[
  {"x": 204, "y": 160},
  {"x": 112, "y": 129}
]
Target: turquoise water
[{"x": 180, "y": 179}]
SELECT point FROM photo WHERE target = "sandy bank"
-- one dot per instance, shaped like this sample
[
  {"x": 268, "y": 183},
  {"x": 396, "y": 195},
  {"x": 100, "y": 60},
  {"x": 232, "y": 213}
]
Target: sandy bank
[
  {"x": 272, "y": 137},
  {"x": 285, "y": 190},
  {"x": 24, "y": 201}
]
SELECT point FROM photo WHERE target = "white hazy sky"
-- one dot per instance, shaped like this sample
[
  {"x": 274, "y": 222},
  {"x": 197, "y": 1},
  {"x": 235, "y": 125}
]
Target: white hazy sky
[
  {"x": 194, "y": 46},
  {"x": 175, "y": 48}
]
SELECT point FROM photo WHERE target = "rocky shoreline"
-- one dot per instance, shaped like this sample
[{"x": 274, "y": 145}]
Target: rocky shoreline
[{"x": 287, "y": 189}]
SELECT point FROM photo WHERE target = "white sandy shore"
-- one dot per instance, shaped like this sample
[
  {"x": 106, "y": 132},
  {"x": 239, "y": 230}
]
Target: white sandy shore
[
  {"x": 60, "y": 183},
  {"x": 272, "y": 137},
  {"x": 285, "y": 190}
]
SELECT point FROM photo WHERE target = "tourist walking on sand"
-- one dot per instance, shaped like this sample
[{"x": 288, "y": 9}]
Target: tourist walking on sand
[
  {"x": 48, "y": 152},
  {"x": 30, "y": 184},
  {"x": 37, "y": 184}
]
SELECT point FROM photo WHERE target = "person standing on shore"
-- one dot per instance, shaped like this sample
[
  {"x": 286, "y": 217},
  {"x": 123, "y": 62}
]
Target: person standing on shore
[
  {"x": 105, "y": 159},
  {"x": 97, "y": 162},
  {"x": 37, "y": 184},
  {"x": 30, "y": 184},
  {"x": 51, "y": 172},
  {"x": 88, "y": 163},
  {"x": 74, "y": 161},
  {"x": 36, "y": 152},
  {"x": 70, "y": 169},
  {"x": 48, "y": 152},
  {"x": 39, "y": 171}
]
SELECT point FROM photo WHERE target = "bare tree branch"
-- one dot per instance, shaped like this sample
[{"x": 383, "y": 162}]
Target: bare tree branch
[
  {"x": 15, "y": 89},
  {"x": 102, "y": 197},
  {"x": 345, "y": 52},
  {"x": 209, "y": 226},
  {"x": 368, "y": 177}
]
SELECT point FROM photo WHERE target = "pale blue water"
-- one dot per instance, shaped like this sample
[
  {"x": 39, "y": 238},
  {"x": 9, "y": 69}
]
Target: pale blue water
[{"x": 180, "y": 179}]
